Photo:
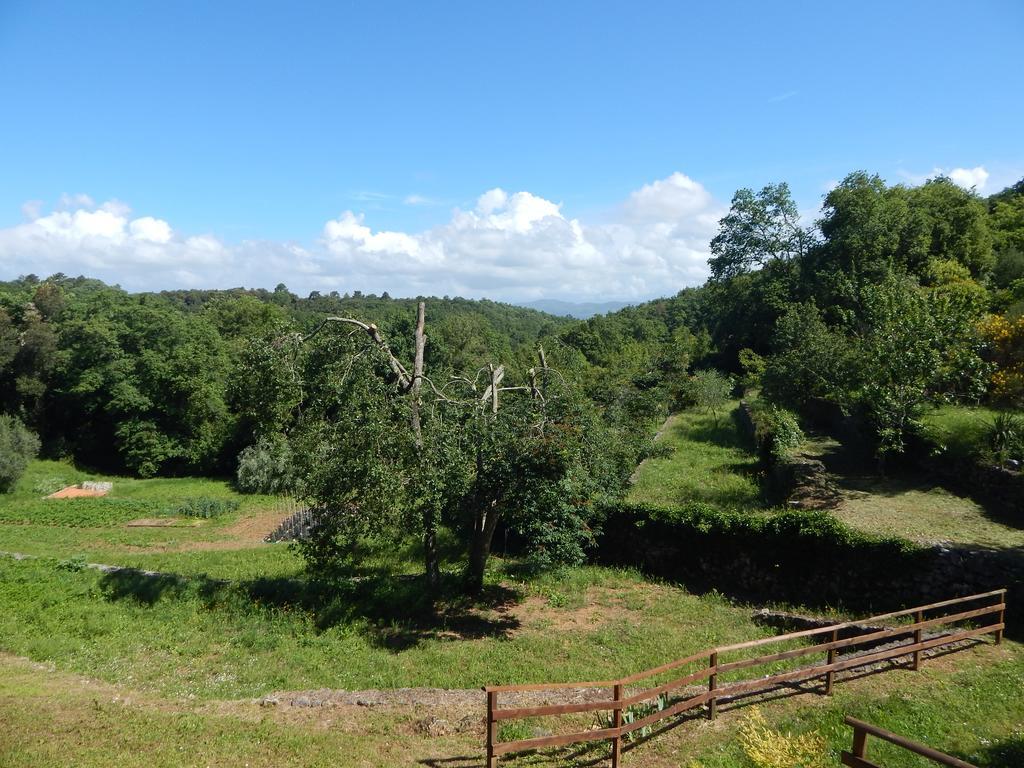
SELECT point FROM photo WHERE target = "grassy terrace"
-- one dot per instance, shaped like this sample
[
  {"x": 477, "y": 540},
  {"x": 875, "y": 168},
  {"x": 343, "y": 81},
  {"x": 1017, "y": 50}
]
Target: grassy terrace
[
  {"x": 961, "y": 430},
  {"x": 114, "y": 668},
  {"x": 709, "y": 461}
]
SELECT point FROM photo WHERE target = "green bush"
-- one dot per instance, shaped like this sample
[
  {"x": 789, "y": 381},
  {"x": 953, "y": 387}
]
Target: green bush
[
  {"x": 266, "y": 467},
  {"x": 47, "y": 485},
  {"x": 777, "y": 432},
  {"x": 708, "y": 390},
  {"x": 205, "y": 508},
  {"x": 1006, "y": 437},
  {"x": 18, "y": 446}
]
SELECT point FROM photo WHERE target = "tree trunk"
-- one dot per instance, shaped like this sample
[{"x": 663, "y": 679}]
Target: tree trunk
[
  {"x": 431, "y": 565},
  {"x": 484, "y": 525}
]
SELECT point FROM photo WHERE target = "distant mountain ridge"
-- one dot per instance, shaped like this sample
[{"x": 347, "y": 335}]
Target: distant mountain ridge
[{"x": 580, "y": 310}]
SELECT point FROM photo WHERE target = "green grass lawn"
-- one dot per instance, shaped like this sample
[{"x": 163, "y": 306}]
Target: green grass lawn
[
  {"x": 911, "y": 506},
  {"x": 916, "y": 509},
  {"x": 709, "y": 461},
  {"x": 212, "y": 640},
  {"x": 171, "y": 664},
  {"x": 97, "y": 530},
  {"x": 960, "y": 430},
  {"x": 129, "y": 499}
]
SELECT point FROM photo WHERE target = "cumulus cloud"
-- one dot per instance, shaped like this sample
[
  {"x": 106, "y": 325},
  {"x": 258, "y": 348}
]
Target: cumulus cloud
[
  {"x": 970, "y": 177},
  {"x": 509, "y": 245},
  {"x": 104, "y": 241},
  {"x": 967, "y": 178}
]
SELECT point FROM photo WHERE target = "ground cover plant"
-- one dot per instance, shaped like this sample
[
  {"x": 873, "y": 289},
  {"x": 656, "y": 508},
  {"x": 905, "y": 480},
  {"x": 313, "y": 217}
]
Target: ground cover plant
[
  {"x": 700, "y": 457},
  {"x": 962, "y": 432},
  {"x": 263, "y": 630}
]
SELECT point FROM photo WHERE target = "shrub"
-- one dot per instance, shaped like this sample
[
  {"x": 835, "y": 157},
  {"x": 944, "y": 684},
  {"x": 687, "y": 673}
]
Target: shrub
[
  {"x": 47, "y": 485},
  {"x": 205, "y": 508},
  {"x": 1005, "y": 339},
  {"x": 769, "y": 748},
  {"x": 753, "y": 366},
  {"x": 708, "y": 390},
  {"x": 777, "y": 432},
  {"x": 18, "y": 446},
  {"x": 266, "y": 467},
  {"x": 1006, "y": 437}
]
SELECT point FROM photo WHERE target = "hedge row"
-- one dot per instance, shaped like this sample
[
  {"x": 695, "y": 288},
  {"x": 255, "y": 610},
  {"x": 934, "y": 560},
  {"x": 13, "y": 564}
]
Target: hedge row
[{"x": 796, "y": 556}]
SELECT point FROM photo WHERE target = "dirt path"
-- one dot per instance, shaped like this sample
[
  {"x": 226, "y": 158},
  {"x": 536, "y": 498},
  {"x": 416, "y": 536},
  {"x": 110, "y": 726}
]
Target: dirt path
[{"x": 249, "y": 531}]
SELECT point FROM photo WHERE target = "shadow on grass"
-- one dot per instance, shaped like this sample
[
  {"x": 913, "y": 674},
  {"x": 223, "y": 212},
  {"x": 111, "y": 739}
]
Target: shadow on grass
[
  {"x": 395, "y": 611},
  {"x": 1008, "y": 753},
  {"x": 857, "y": 471},
  {"x": 724, "y": 433}
]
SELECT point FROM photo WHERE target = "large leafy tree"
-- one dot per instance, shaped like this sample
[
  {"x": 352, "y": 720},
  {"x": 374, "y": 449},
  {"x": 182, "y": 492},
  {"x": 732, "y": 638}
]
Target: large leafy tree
[
  {"x": 384, "y": 448},
  {"x": 864, "y": 225},
  {"x": 947, "y": 222},
  {"x": 142, "y": 378},
  {"x": 760, "y": 228}
]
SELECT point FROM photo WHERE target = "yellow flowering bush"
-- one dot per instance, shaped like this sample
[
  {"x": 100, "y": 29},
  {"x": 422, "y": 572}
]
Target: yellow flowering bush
[
  {"x": 1005, "y": 339},
  {"x": 769, "y": 748}
]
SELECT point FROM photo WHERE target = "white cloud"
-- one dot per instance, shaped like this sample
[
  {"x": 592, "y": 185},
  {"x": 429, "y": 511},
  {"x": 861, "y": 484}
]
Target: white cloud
[
  {"x": 783, "y": 97},
  {"x": 32, "y": 209},
  {"x": 70, "y": 202},
  {"x": 509, "y": 245},
  {"x": 105, "y": 242},
  {"x": 967, "y": 178},
  {"x": 970, "y": 177},
  {"x": 148, "y": 228},
  {"x": 419, "y": 200}
]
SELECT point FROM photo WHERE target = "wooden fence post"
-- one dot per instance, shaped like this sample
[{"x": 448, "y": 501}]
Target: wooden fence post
[
  {"x": 918, "y": 634},
  {"x": 492, "y": 729},
  {"x": 617, "y": 723},
  {"x": 860, "y": 742},
  {"x": 712, "y": 685},
  {"x": 830, "y": 676},
  {"x": 1002, "y": 619}
]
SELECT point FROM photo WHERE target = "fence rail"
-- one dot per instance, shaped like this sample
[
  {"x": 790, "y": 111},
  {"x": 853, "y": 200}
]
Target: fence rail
[
  {"x": 857, "y": 756},
  {"x": 711, "y": 666}
]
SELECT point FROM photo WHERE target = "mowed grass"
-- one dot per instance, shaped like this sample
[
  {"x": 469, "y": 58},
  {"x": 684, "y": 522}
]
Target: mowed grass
[
  {"x": 97, "y": 529},
  {"x": 960, "y": 430},
  {"x": 910, "y": 505},
  {"x": 214, "y": 640},
  {"x": 129, "y": 499},
  {"x": 966, "y": 704},
  {"x": 916, "y": 509},
  {"x": 51, "y": 719},
  {"x": 709, "y": 460},
  {"x": 172, "y": 662}
]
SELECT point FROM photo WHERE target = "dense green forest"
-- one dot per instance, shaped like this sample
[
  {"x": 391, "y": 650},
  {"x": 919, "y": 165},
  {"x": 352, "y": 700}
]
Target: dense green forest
[{"x": 895, "y": 299}]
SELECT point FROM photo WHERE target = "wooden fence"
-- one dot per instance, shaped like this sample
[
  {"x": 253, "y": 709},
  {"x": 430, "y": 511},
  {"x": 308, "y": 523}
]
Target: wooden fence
[
  {"x": 857, "y": 756},
  {"x": 884, "y": 644}
]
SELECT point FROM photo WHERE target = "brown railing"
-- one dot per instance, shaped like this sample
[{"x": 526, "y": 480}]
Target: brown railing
[
  {"x": 712, "y": 666},
  {"x": 857, "y": 756}
]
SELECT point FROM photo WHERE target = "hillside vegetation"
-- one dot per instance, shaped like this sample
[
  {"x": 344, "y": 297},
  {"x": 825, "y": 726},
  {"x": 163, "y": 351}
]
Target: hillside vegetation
[{"x": 462, "y": 466}]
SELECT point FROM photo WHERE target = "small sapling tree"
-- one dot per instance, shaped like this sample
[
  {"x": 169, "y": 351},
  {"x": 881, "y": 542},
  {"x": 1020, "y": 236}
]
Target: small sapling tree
[{"x": 710, "y": 390}]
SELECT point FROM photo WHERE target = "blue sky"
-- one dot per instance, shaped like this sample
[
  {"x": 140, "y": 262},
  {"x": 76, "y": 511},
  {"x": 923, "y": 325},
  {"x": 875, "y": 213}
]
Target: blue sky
[{"x": 215, "y": 144}]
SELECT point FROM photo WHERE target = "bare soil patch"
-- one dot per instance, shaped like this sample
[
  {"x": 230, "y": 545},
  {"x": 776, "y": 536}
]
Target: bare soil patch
[
  {"x": 245, "y": 533},
  {"x": 601, "y": 606},
  {"x": 74, "y": 492}
]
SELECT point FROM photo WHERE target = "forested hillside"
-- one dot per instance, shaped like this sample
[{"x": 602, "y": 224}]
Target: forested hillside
[
  {"x": 895, "y": 297},
  {"x": 152, "y": 383}
]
